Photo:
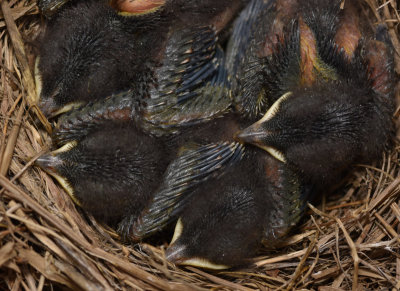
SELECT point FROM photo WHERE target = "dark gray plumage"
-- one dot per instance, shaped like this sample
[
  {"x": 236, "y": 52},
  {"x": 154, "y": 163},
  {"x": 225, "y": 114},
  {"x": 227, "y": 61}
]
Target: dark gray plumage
[
  {"x": 330, "y": 94},
  {"x": 90, "y": 51},
  {"x": 258, "y": 199},
  {"x": 111, "y": 173}
]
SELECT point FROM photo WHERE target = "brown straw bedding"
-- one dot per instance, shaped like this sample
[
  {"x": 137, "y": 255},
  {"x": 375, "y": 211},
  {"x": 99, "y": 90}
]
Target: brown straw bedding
[{"x": 348, "y": 241}]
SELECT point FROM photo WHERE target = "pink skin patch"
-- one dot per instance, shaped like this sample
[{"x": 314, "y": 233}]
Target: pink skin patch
[
  {"x": 308, "y": 53},
  {"x": 136, "y": 7},
  {"x": 285, "y": 11},
  {"x": 348, "y": 33},
  {"x": 377, "y": 55}
]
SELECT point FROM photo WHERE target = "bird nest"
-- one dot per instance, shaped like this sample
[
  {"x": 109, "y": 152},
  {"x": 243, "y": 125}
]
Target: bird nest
[{"x": 349, "y": 240}]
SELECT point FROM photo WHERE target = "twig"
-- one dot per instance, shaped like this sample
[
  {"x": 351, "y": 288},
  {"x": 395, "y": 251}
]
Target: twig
[
  {"x": 27, "y": 78},
  {"x": 8, "y": 152},
  {"x": 219, "y": 280},
  {"x": 299, "y": 269},
  {"x": 354, "y": 253},
  {"x": 387, "y": 226}
]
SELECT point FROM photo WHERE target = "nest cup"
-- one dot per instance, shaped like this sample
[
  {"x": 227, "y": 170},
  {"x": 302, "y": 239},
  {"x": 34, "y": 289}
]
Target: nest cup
[{"x": 348, "y": 241}]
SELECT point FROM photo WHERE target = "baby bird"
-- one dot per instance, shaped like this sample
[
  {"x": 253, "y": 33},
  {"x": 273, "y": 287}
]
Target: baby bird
[
  {"x": 321, "y": 88},
  {"x": 90, "y": 51},
  {"x": 321, "y": 131},
  {"x": 111, "y": 173},
  {"x": 342, "y": 117},
  {"x": 258, "y": 199}
]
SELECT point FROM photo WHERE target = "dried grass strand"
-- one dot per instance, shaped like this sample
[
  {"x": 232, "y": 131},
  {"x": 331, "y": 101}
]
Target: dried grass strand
[
  {"x": 19, "y": 49},
  {"x": 9, "y": 149}
]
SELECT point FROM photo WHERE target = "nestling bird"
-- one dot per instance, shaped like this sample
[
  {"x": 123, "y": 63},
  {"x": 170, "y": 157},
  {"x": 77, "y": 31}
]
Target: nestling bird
[
  {"x": 321, "y": 131},
  {"x": 337, "y": 116},
  {"x": 224, "y": 223},
  {"x": 90, "y": 51},
  {"x": 110, "y": 178}
]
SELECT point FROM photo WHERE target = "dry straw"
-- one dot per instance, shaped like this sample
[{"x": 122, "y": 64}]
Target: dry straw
[{"x": 350, "y": 241}]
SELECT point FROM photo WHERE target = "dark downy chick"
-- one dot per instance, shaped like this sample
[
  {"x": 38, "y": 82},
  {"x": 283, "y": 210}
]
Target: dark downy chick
[
  {"x": 331, "y": 102},
  {"x": 322, "y": 131},
  {"x": 256, "y": 200},
  {"x": 90, "y": 51},
  {"x": 111, "y": 173},
  {"x": 192, "y": 87}
]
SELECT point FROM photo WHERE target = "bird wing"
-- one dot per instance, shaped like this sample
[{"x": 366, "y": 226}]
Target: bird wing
[
  {"x": 192, "y": 83},
  {"x": 192, "y": 167},
  {"x": 190, "y": 87},
  {"x": 77, "y": 123},
  {"x": 243, "y": 32},
  {"x": 289, "y": 198}
]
